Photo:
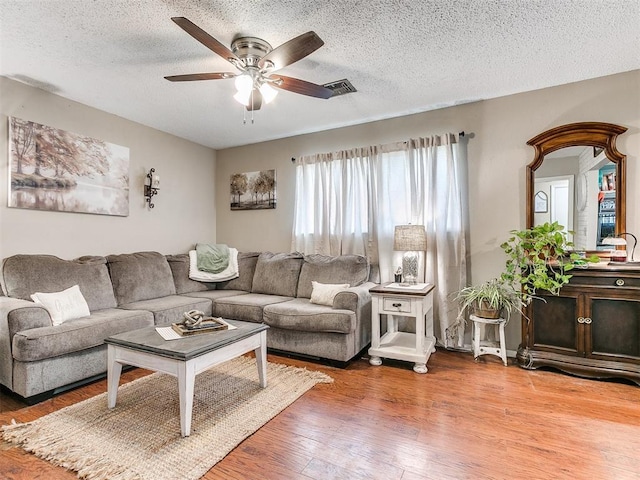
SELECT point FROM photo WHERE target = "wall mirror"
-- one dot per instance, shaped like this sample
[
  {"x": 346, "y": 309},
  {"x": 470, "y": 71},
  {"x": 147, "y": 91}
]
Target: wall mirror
[{"x": 578, "y": 179}]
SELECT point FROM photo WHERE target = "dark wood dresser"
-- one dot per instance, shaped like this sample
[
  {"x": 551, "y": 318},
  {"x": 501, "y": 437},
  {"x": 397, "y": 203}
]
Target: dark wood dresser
[{"x": 591, "y": 329}]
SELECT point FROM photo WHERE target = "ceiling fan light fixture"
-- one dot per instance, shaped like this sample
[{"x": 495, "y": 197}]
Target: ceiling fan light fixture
[
  {"x": 244, "y": 84},
  {"x": 268, "y": 92},
  {"x": 243, "y": 97}
]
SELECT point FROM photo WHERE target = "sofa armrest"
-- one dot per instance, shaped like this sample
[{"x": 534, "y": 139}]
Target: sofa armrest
[
  {"x": 31, "y": 316},
  {"x": 353, "y": 298},
  {"x": 358, "y": 300}
]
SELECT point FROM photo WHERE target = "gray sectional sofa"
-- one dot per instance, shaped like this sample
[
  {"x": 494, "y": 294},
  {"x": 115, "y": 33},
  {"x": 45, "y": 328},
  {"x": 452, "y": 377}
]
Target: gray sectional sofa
[{"x": 129, "y": 291}]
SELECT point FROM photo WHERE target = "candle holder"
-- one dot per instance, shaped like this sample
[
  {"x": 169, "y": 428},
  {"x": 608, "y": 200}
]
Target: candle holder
[{"x": 151, "y": 189}]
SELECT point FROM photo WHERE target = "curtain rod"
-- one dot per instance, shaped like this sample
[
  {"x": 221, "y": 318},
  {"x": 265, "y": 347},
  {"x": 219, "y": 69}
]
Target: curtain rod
[{"x": 461, "y": 134}]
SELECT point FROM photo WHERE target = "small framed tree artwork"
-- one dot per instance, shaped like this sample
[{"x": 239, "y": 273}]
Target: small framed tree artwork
[{"x": 253, "y": 190}]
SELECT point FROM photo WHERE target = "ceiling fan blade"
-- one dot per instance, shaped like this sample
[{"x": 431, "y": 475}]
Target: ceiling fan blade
[
  {"x": 300, "y": 86},
  {"x": 255, "y": 101},
  {"x": 291, "y": 51},
  {"x": 206, "y": 39},
  {"x": 200, "y": 76}
]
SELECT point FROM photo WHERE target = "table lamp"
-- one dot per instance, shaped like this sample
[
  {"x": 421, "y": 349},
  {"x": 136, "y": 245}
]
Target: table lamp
[
  {"x": 616, "y": 241},
  {"x": 410, "y": 239}
]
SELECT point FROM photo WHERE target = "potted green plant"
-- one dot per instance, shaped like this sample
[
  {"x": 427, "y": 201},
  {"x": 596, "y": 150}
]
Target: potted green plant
[
  {"x": 491, "y": 299},
  {"x": 539, "y": 258}
]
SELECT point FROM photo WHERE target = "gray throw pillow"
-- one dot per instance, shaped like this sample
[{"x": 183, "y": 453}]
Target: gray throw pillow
[
  {"x": 179, "y": 265},
  {"x": 246, "y": 270},
  {"x": 24, "y": 275},
  {"x": 140, "y": 276},
  {"x": 351, "y": 269},
  {"x": 277, "y": 273}
]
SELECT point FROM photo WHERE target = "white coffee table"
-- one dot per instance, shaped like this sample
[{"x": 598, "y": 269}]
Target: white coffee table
[{"x": 184, "y": 358}]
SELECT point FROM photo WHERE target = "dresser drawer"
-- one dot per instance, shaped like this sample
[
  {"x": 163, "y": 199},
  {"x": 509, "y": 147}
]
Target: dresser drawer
[
  {"x": 397, "y": 305},
  {"x": 620, "y": 279}
]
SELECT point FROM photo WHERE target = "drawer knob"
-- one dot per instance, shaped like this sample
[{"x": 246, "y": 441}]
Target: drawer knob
[
  {"x": 396, "y": 305},
  {"x": 587, "y": 320},
  {"x": 581, "y": 320},
  {"x": 620, "y": 282}
]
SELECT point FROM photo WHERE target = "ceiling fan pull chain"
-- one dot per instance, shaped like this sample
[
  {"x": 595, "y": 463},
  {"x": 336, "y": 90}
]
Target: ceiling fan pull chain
[{"x": 252, "y": 105}]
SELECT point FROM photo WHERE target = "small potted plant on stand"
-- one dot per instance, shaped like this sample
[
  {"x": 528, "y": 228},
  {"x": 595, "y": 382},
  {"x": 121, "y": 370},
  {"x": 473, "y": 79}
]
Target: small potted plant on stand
[
  {"x": 490, "y": 299},
  {"x": 490, "y": 304}
]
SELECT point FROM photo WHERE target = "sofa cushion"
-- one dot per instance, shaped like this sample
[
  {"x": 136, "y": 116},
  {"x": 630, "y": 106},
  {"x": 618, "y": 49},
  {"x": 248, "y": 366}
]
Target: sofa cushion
[
  {"x": 140, "y": 276},
  {"x": 215, "y": 295},
  {"x": 277, "y": 274},
  {"x": 351, "y": 269},
  {"x": 76, "y": 335},
  {"x": 179, "y": 265},
  {"x": 246, "y": 268},
  {"x": 25, "y": 275},
  {"x": 169, "y": 309},
  {"x": 300, "y": 314},
  {"x": 246, "y": 307}
]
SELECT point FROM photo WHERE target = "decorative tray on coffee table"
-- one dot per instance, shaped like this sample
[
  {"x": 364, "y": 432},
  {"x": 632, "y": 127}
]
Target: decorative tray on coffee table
[{"x": 206, "y": 325}]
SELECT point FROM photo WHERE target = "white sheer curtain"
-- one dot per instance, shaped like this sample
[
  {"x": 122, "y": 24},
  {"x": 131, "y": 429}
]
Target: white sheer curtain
[{"x": 350, "y": 201}]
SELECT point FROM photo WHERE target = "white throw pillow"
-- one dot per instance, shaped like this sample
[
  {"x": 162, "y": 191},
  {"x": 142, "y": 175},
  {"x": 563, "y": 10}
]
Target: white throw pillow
[
  {"x": 62, "y": 306},
  {"x": 323, "y": 293}
]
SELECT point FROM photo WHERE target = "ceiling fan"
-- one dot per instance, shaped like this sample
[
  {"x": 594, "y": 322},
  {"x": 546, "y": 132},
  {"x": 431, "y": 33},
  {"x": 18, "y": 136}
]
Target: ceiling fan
[{"x": 256, "y": 61}]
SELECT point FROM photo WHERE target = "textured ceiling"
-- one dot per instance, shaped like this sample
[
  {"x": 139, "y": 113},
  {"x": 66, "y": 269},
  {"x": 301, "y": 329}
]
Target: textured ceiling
[{"x": 402, "y": 56}]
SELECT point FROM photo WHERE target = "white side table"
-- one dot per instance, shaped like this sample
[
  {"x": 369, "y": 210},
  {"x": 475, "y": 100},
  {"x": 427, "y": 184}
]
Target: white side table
[
  {"x": 485, "y": 347},
  {"x": 392, "y": 300}
]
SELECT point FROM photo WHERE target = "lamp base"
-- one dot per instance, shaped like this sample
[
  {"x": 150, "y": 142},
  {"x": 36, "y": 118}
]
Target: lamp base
[{"x": 410, "y": 267}]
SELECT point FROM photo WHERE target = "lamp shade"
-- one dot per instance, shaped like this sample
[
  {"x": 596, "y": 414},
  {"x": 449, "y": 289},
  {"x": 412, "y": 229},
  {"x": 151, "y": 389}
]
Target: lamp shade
[
  {"x": 268, "y": 92},
  {"x": 244, "y": 84},
  {"x": 614, "y": 241},
  {"x": 410, "y": 238}
]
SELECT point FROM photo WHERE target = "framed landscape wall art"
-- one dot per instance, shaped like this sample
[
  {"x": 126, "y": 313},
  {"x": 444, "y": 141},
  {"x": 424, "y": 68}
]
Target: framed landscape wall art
[
  {"x": 55, "y": 170},
  {"x": 253, "y": 190}
]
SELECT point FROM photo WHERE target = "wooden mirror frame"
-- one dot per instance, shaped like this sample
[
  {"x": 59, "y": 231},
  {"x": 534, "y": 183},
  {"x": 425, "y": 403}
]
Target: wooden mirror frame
[{"x": 595, "y": 134}]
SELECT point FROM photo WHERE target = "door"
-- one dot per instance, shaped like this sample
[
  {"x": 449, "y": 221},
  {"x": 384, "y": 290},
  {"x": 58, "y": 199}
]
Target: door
[
  {"x": 560, "y": 206},
  {"x": 556, "y": 328},
  {"x": 614, "y": 330}
]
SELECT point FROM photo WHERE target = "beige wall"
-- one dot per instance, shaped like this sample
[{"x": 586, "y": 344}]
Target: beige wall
[
  {"x": 194, "y": 181},
  {"x": 184, "y": 210},
  {"x": 497, "y": 156}
]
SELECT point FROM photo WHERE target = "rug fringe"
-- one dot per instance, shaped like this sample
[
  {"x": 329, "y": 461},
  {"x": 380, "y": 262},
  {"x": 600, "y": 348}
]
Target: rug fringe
[
  {"x": 319, "y": 377},
  {"x": 51, "y": 447}
]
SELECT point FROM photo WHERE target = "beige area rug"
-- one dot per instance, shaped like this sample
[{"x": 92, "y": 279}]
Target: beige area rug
[{"x": 140, "y": 438}]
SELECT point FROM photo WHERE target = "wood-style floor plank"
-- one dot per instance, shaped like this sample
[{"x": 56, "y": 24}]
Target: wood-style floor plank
[{"x": 462, "y": 420}]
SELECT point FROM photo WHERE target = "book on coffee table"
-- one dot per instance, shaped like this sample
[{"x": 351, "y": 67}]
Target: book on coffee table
[{"x": 208, "y": 325}]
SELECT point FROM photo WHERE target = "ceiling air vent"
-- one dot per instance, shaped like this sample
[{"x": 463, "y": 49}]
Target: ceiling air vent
[{"x": 340, "y": 87}]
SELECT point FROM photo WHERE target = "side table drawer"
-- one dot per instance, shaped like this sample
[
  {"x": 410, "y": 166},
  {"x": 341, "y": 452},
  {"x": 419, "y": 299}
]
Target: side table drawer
[{"x": 397, "y": 305}]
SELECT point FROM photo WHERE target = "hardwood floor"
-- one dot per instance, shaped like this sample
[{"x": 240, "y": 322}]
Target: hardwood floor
[{"x": 462, "y": 420}]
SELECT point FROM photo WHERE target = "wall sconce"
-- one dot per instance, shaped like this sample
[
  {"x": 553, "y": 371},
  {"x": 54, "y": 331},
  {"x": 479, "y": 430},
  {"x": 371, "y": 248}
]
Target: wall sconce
[{"x": 152, "y": 188}]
